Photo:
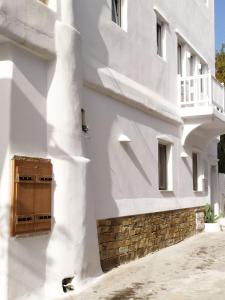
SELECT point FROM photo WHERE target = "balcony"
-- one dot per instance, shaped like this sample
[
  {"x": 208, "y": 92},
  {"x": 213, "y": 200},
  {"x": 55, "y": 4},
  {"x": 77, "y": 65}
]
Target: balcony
[
  {"x": 200, "y": 93},
  {"x": 202, "y": 103}
]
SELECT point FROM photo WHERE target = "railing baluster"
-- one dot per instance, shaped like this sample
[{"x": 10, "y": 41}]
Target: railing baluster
[
  {"x": 201, "y": 90},
  {"x": 184, "y": 87},
  {"x": 189, "y": 90},
  {"x": 210, "y": 89}
]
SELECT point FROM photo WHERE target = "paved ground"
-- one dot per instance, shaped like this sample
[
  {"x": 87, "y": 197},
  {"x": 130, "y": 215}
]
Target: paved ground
[{"x": 193, "y": 269}]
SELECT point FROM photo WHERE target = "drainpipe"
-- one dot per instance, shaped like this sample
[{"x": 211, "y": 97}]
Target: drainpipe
[{"x": 67, "y": 253}]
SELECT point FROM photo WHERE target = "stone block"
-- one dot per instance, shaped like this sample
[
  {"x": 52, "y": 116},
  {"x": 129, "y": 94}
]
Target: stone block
[{"x": 126, "y": 238}]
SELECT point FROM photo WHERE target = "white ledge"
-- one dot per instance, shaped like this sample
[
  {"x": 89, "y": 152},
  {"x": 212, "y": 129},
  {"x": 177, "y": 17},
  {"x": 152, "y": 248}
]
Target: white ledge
[
  {"x": 161, "y": 15},
  {"x": 29, "y": 24},
  {"x": 124, "y": 139},
  {"x": 111, "y": 83},
  {"x": 184, "y": 39},
  {"x": 165, "y": 138}
]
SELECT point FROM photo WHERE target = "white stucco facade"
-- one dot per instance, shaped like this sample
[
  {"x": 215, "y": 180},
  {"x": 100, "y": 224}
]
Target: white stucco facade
[{"x": 58, "y": 58}]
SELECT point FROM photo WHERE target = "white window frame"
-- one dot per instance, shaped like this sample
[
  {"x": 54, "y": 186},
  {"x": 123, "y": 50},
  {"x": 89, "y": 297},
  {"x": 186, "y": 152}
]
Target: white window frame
[
  {"x": 169, "y": 163},
  {"x": 195, "y": 168},
  {"x": 159, "y": 39},
  {"x": 122, "y": 22},
  {"x": 179, "y": 59},
  {"x": 162, "y": 53},
  {"x": 163, "y": 22}
]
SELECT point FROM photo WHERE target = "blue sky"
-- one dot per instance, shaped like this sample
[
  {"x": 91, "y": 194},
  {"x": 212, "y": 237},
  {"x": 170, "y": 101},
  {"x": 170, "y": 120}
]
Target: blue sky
[{"x": 220, "y": 22}]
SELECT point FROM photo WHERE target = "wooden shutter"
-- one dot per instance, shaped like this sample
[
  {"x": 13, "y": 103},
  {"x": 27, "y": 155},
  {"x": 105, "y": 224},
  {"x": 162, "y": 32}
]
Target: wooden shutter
[
  {"x": 162, "y": 166},
  {"x": 31, "y": 195}
]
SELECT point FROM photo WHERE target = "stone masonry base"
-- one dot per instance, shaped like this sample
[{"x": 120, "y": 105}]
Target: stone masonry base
[{"x": 127, "y": 238}]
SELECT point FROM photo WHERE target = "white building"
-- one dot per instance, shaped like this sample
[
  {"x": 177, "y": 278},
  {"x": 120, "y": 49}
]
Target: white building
[{"x": 121, "y": 96}]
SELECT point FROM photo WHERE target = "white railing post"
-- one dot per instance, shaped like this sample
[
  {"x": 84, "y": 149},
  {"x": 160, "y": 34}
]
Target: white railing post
[
  {"x": 198, "y": 82},
  {"x": 179, "y": 90},
  {"x": 185, "y": 88},
  {"x": 200, "y": 90},
  {"x": 223, "y": 97},
  {"x": 210, "y": 89}
]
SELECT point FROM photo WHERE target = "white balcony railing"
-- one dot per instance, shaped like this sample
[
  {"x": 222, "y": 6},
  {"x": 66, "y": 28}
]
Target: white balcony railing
[{"x": 201, "y": 90}]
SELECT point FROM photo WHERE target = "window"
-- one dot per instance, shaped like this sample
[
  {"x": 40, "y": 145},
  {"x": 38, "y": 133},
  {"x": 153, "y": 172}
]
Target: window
[
  {"x": 179, "y": 59},
  {"x": 116, "y": 11},
  {"x": 165, "y": 164},
  {"x": 119, "y": 13},
  {"x": 162, "y": 165},
  {"x": 159, "y": 39},
  {"x": 195, "y": 171}
]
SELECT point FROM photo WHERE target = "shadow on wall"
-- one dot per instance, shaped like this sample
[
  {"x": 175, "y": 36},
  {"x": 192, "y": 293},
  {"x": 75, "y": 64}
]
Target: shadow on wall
[
  {"x": 130, "y": 152},
  {"x": 28, "y": 255},
  {"x": 86, "y": 10},
  {"x": 102, "y": 120}
]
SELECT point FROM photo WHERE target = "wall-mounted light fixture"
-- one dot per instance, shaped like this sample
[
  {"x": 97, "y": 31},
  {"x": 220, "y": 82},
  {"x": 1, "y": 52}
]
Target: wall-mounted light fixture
[{"x": 83, "y": 121}]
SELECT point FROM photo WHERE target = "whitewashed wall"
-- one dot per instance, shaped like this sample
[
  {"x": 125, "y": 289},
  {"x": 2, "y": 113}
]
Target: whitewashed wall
[
  {"x": 221, "y": 196},
  {"x": 133, "y": 53},
  {"x": 126, "y": 89}
]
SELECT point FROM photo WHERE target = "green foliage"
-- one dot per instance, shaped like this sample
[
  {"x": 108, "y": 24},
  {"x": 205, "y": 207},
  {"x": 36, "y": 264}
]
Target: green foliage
[
  {"x": 210, "y": 217},
  {"x": 220, "y": 75},
  {"x": 220, "y": 64},
  {"x": 221, "y": 154}
]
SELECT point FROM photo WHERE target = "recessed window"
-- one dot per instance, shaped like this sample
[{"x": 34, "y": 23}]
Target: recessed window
[
  {"x": 119, "y": 13},
  {"x": 195, "y": 171},
  {"x": 116, "y": 11},
  {"x": 179, "y": 59},
  {"x": 165, "y": 166},
  {"x": 162, "y": 165},
  {"x": 161, "y": 38}
]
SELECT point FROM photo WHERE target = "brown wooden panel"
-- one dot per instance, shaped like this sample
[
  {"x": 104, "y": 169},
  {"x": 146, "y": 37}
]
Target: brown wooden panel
[
  {"x": 31, "y": 195},
  {"x": 43, "y": 222},
  {"x": 24, "y": 198},
  {"x": 42, "y": 199},
  {"x": 24, "y": 223}
]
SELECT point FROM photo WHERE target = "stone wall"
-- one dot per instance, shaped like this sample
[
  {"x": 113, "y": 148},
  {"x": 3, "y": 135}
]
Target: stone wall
[{"x": 127, "y": 238}]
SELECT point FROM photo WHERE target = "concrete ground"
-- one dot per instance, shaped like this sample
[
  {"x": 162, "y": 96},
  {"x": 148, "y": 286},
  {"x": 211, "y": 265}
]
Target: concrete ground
[{"x": 192, "y": 269}]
